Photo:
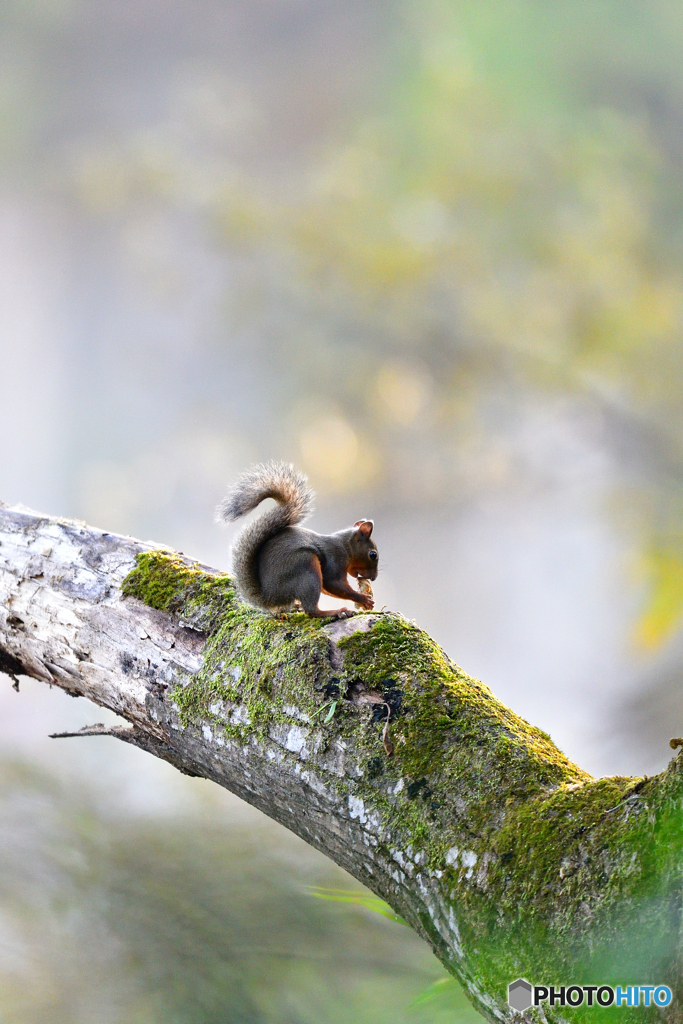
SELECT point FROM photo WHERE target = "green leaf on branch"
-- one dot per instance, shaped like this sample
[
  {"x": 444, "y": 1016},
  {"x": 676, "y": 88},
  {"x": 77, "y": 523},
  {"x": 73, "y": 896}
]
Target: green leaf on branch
[{"x": 359, "y": 899}]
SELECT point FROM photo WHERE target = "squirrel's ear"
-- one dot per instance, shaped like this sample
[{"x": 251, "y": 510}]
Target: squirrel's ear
[{"x": 364, "y": 526}]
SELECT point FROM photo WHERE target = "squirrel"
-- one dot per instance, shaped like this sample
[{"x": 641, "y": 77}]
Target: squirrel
[{"x": 277, "y": 563}]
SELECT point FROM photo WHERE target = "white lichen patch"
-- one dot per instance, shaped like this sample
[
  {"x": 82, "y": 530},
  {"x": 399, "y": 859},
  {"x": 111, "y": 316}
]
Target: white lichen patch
[
  {"x": 454, "y": 932},
  {"x": 402, "y": 857},
  {"x": 314, "y": 782},
  {"x": 482, "y": 873},
  {"x": 357, "y": 809},
  {"x": 374, "y": 820},
  {"x": 468, "y": 860},
  {"x": 240, "y": 715},
  {"x": 294, "y": 712},
  {"x": 292, "y": 738},
  {"x": 296, "y": 740},
  {"x": 335, "y": 759}
]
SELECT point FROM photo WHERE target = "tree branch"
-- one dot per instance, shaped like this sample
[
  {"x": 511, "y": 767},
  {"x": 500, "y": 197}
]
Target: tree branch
[{"x": 507, "y": 858}]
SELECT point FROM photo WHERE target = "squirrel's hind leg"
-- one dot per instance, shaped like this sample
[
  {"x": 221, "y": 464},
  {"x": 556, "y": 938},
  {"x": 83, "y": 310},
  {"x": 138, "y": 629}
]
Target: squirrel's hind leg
[{"x": 309, "y": 589}]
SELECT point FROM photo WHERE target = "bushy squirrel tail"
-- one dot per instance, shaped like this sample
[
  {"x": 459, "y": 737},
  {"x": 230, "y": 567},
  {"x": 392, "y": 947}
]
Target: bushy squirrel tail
[{"x": 290, "y": 489}]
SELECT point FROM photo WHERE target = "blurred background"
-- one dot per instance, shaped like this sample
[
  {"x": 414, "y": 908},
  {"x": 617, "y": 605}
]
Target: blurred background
[{"x": 433, "y": 254}]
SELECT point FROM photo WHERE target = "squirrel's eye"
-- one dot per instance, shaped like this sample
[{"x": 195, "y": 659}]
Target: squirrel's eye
[{"x": 372, "y": 555}]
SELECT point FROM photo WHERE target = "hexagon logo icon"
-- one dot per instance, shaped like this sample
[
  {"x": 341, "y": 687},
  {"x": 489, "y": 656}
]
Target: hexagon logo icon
[{"x": 520, "y": 995}]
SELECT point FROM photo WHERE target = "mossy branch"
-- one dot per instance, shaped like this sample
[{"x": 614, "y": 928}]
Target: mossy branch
[{"x": 470, "y": 823}]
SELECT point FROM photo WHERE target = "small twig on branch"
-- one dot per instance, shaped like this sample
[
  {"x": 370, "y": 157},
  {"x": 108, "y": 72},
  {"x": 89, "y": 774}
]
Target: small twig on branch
[{"x": 120, "y": 732}]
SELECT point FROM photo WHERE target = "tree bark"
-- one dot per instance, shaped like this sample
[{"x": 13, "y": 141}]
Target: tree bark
[{"x": 507, "y": 858}]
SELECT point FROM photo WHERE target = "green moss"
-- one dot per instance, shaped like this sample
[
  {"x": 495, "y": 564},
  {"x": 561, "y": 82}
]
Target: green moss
[
  {"x": 263, "y": 666},
  {"x": 584, "y": 887},
  {"x": 274, "y": 670},
  {"x": 168, "y": 582},
  {"x": 450, "y": 736},
  {"x": 445, "y": 706}
]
